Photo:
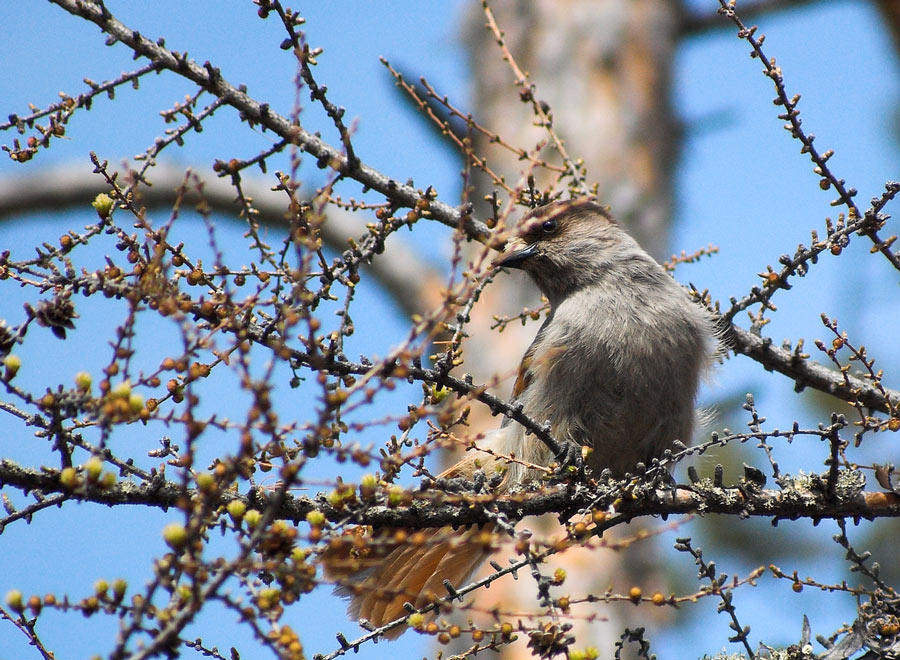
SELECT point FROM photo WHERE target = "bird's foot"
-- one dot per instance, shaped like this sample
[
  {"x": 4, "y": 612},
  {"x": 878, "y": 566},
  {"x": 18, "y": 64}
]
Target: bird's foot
[{"x": 570, "y": 462}]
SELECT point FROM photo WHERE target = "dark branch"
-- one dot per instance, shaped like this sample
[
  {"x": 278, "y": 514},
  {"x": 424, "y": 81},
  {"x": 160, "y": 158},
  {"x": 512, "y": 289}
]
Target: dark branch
[{"x": 806, "y": 373}]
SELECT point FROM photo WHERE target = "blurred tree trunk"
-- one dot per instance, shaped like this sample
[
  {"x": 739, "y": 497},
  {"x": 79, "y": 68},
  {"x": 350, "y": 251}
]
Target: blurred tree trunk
[
  {"x": 604, "y": 68},
  {"x": 890, "y": 10}
]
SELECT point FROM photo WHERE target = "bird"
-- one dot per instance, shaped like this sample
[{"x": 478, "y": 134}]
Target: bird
[{"x": 614, "y": 369}]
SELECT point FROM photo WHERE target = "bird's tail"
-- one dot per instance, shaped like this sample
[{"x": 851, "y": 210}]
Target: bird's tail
[
  {"x": 409, "y": 570},
  {"x": 380, "y": 571}
]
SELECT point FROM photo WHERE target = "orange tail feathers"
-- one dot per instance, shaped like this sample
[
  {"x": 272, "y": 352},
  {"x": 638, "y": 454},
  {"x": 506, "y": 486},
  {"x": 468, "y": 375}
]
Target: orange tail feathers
[
  {"x": 380, "y": 571},
  {"x": 398, "y": 570}
]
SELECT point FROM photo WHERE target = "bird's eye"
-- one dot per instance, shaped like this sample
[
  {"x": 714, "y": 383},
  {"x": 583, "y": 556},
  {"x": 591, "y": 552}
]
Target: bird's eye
[{"x": 549, "y": 226}]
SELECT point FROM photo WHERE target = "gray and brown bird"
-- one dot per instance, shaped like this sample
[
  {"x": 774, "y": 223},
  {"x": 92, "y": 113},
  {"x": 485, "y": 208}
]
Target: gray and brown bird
[{"x": 615, "y": 367}]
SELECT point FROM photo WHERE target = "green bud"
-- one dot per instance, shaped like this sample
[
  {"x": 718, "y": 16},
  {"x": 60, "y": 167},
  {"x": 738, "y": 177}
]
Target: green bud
[
  {"x": 122, "y": 390},
  {"x": 175, "y": 535},
  {"x": 236, "y": 509},
  {"x": 396, "y": 496},
  {"x": 14, "y": 600},
  {"x": 439, "y": 393},
  {"x": 68, "y": 477},
  {"x": 252, "y": 518},
  {"x": 119, "y": 586},
  {"x": 135, "y": 402},
  {"x": 103, "y": 204},
  {"x": 93, "y": 468},
  {"x": 83, "y": 381},
  {"x": 101, "y": 587},
  {"x": 206, "y": 482},
  {"x": 12, "y": 364}
]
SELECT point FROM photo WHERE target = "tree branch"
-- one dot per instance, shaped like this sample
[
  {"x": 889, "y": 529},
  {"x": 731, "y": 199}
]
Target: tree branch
[
  {"x": 806, "y": 373},
  {"x": 402, "y": 274},
  {"x": 800, "y": 498},
  {"x": 210, "y": 78}
]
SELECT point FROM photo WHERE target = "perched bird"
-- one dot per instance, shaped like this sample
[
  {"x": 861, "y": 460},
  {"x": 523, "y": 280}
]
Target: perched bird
[{"x": 615, "y": 367}]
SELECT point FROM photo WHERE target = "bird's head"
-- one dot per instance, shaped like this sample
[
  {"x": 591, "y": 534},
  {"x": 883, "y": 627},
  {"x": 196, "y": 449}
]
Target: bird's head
[{"x": 567, "y": 245}]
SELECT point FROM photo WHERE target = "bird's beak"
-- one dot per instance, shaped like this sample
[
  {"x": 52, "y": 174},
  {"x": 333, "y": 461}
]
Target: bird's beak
[{"x": 516, "y": 257}]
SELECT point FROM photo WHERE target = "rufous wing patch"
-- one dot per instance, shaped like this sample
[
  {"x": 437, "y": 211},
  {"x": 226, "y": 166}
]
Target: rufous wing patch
[{"x": 531, "y": 364}]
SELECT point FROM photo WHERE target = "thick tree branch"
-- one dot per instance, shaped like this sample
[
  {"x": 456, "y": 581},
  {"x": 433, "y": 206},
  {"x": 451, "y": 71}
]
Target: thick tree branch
[
  {"x": 438, "y": 508},
  {"x": 806, "y": 373}
]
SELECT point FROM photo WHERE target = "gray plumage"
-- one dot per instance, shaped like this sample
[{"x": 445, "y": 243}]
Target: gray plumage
[{"x": 617, "y": 363}]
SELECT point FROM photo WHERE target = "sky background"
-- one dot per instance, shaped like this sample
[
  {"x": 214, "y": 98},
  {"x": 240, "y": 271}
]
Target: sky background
[{"x": 741, "y": 184}]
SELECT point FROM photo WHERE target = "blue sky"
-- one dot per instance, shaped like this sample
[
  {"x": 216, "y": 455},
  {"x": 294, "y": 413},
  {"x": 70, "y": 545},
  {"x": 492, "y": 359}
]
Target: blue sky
[{"x": 741, "y": 184}]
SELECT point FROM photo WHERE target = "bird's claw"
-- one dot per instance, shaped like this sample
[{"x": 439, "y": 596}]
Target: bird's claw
[{"x": 570, "y": 461}]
